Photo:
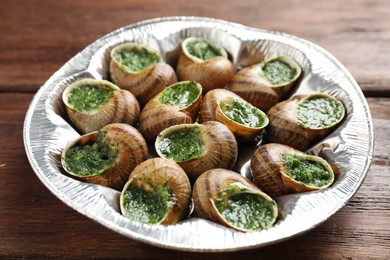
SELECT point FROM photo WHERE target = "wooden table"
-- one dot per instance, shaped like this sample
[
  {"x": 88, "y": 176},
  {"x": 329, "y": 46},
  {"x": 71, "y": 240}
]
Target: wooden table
[{"x": 37, "y": 37}]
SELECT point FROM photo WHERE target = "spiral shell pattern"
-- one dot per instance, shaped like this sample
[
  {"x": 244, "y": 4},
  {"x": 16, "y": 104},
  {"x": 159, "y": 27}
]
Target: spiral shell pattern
[
  {"x": 270, "y": 174},
  {"x": 122, "y": 107},
  {"x": 221, "y": 148},
  {"x": 132, "y": 150},
  {"x": 144, "y": 84},
  {"x": 214, "y": 73},
  {"x": 157, "y": 116},
  {"x": 159, "y": 171},
  {"x": 208, "y": 188}
]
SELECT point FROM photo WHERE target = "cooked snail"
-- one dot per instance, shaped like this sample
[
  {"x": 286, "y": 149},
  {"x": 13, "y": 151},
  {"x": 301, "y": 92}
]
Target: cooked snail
[
  {"x": 92, "y": 104},
  {"x": 300, "y": 121},
  {"x": 105, "y": 157},
  {"x": 279, "y": 169},
  {"x": 243, "y": 119},
  {"x": 204, "y": 62},
  {"x": 264, "y": 84},
  {"x": 198, "y": 147},
  {"x": 158, "y": 192},
  {"x": 230, "y": 199},
  {"x": 177, "y": 104},
  {"x": 140, "y": 70}
]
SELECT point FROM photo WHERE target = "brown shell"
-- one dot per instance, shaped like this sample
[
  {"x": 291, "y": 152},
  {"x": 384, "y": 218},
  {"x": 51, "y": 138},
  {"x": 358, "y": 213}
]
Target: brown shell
[
  {"x": 270, "y": 175},
  {"x": 211, "y": 111},
  {"x": 132, "y": 150},
  {"x": 123, "y": 107},
  {"x": 284, "y": 128},
  {"x": 248, "y": 84},
  {"x": 213, "y": 73},
  {"x": 207, "y": 188},
  {"x": 159, "y": 171},
  {"x": 221, "y": 149},
  {"x": 145, "y": 84},
  {"x": 156, "y": 116}
]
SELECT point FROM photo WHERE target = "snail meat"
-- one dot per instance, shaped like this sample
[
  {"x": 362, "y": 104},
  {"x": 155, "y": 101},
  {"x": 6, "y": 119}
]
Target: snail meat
[
  {"x": 177, "y": 104},
  {"x": 140, "y": 70},
  {"x": 158, "y": 192},
  {"x": 302, "y": 120},
  {"x": 105, "y": 157},
  {"x": 204, "y": 62},
  {"x": 265, "y": 83},
  {"x": 279, "y": 169},
  {"x": 198, "y": 147},
  {"x": 230, "y": 199},
  {"x": 92, "y": 104}
]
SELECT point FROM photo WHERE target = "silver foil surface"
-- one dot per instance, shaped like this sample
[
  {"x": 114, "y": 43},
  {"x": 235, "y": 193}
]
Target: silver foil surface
[{"x": 349, "y": 147}]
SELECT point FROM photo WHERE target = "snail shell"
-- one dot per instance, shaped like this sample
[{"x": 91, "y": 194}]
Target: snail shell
[
  {"x": 257, "y": 90},
  {"x": 213, "y": 186},
  {"x": 121, "y": 107},
  {"x": 129, "y": 145},
  {"x": 157, "y": 116},
  {"x": 213, "y": 73},
  {"x": 269, "y": 172},
  {"x": 285, "y": 127},
  {"x": 213, "y": 109},
  {"x": 144, "y": 84},
  {"x": 158, "y": 172},
  {"x": 219, "y": 147}
]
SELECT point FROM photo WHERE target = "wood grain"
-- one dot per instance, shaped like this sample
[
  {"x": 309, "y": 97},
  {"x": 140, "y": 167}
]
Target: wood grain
[{"x": 37, "y": 39}]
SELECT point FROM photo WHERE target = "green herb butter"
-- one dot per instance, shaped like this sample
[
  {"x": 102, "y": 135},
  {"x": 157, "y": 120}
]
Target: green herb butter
[
  {"x": 245, "y": 210},
  {"x": 182, "y": 145},
  {"x": 277, "y": 72},
  {"x": 85, "y": 98},
  {"x": 243, "y": 113},
  {"x": 307, "y": 171},
  {"x": 91, "y": 158},
  {"x": 136, "y": 59},
  {"x": 180, "y": 95},
  {"x": 149, "y": 207},
  {"x": 202, "y": 49},
  {"x": 319, "y": 111}
]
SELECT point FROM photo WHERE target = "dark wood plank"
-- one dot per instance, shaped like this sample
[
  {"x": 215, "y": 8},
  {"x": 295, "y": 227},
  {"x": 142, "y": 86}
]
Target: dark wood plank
[
  {"x": 35, "y": 224},
  {"x": 38, "y": 37}
]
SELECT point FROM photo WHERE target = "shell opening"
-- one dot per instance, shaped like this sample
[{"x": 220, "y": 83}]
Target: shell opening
[
  {"x": 89, "y": 155},
  {"x": 88, "y": 95},
  {"x": 319, "y": 111},
  {"x": 244, "y": 209},
  {"x": 135, "y": 57},
  {"x": 181, "y": 94},
  {"x": 199, "y": 49},
  {"x": 180, "y": 143},
  {"x": 308, "y": 170},
  {"x": 146, "y": 202},
  {"x": 243, "y": 113},
  {"x": 279, "y": 71}
]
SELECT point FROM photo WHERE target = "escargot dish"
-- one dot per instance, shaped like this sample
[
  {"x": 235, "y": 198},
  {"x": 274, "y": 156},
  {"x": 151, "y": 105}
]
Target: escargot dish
[
  {"x": 265, "y": 83},
  {"x": 228, "y": 198},
  {"x": 158, "y": 192},
  {"x": 243, "y": 119},
  {"x": 204, "y": 62},
  {"x": 198, "y": 147},
  {"x": 279, "y": 169},
  {"x": 91, "y": 104},
  {"x": 105, "y": 157},
  {"x": 302, "y": 120},
  {"x": 177, "y": 104},
  {"x": 140, "y": 70}
]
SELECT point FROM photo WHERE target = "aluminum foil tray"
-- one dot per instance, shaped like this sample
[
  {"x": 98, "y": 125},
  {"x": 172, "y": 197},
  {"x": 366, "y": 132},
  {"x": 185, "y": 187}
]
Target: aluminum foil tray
[{"x": 350, "y": 147}]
